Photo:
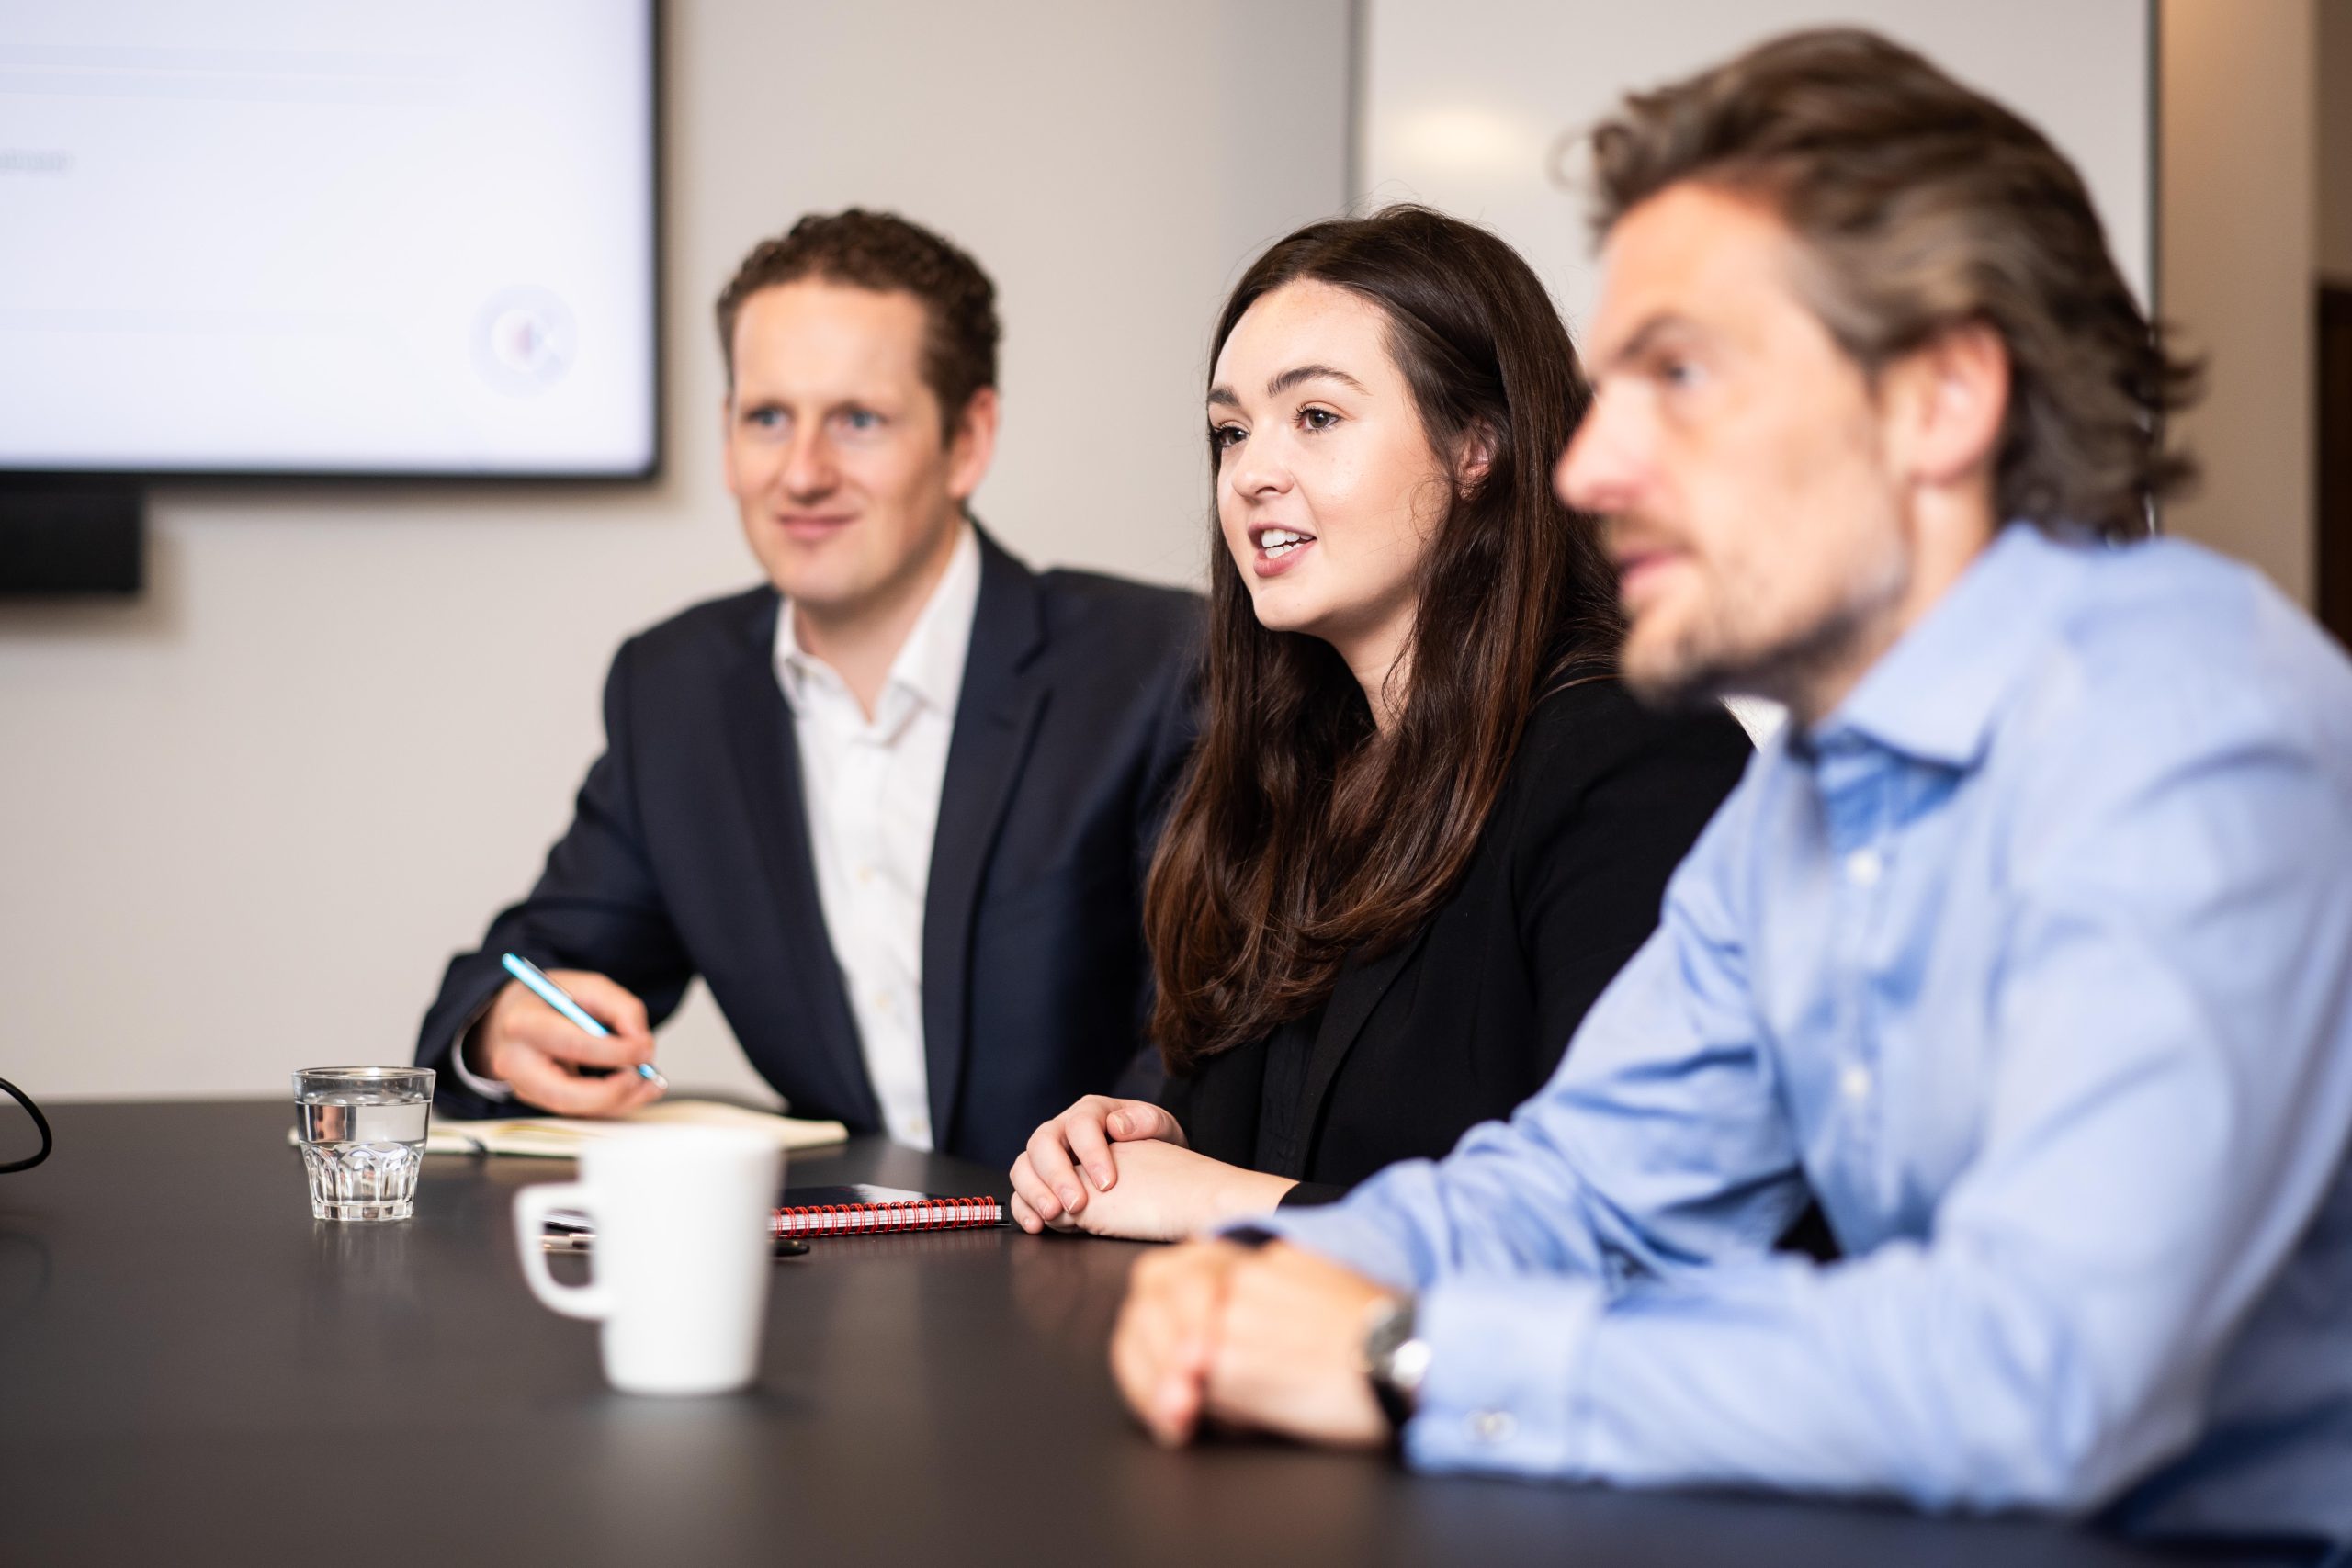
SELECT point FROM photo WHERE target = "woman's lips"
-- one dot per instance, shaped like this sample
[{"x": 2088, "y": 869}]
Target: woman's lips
[{"x": 1274, "y": 560}]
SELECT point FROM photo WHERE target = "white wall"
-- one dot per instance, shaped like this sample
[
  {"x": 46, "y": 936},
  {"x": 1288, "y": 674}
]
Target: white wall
[
  {"x": 1478, "y": 130},
  {"x": 245, "y": 820},
  {"x": 2239, "y": 248}
]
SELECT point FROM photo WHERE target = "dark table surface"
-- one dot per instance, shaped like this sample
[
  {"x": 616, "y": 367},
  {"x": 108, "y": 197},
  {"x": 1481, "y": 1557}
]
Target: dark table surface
[{"x": 192, "y": 1370}]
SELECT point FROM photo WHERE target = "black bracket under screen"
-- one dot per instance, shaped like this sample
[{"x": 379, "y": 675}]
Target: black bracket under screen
[{"x": 62, "y": 537}]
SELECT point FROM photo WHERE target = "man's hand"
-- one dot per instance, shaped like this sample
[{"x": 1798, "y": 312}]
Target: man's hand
[
  {"x": 1289, "y": 1349},
  {"x": 1272, "y": 1339},
  {"x": 1165, "y": 1336},
  {"x": 536, "y": 1050},
  {"x": 1047, "y": 1188}
]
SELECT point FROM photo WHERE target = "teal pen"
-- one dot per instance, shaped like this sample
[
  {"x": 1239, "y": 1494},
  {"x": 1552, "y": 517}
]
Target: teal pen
[{"x": 531, "y": 974}]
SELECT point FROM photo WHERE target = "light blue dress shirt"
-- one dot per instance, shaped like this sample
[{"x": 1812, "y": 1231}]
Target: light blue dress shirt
[{"x": 2033, "y": 963}]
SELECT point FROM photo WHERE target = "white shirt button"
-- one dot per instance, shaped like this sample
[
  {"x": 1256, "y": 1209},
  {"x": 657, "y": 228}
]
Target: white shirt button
[
  {"x": 1493, "y": 1425},
  {"x": 864, "y": 875},
  {"x": 1855, "y": 1081},
  {"x": 1864, "y": 867}
]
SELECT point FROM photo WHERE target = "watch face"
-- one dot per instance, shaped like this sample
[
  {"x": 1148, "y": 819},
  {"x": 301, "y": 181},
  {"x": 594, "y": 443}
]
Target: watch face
[{"x": 1410, "y": 1365}]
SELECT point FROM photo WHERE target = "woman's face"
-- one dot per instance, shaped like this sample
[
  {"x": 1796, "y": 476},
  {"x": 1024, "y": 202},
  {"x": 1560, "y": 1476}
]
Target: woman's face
[{"x": 1327, "y": 490}]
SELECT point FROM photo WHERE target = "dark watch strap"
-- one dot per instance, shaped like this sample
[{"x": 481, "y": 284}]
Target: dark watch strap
[{"x": 1388, "y": 1333}]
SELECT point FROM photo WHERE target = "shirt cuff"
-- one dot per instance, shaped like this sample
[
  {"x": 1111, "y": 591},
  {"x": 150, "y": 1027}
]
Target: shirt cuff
[
  {"x": 489, "y": 1089},
  {"x": 1340, "y": 1234},
  {"x": 1502, "y": 1393}
]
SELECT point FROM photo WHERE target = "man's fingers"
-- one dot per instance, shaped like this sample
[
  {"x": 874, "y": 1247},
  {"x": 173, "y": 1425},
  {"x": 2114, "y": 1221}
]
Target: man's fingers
[
  {"x": 643, "y": 1091},
  {"x": 1151, "y": 1385},
  {"x": 550, "y": 1034},
  {"x": 609, "y": 1002},
  {"x": 1166, "y": 1337},
  {"x": 539, "y": 1080},
  {"x": 1025, "y": 1216},
  {"x": 1050, "y": 1160}
]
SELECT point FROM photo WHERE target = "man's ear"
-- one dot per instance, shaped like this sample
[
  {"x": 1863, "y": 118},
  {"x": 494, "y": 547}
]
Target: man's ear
[
  {"x": 972, "y": 447},
  {"x": 1949, "y": 400}
]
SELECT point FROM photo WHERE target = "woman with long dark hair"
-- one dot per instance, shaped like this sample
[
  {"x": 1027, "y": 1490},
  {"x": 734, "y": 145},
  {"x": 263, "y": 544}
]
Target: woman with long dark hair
[{"x": 1425, "y": 823}]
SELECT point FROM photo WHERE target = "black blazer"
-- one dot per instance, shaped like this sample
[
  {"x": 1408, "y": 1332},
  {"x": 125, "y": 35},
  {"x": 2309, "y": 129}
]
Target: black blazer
[
  {"x": 1470, "y": 1014},
  {"x": 688, "y": 854}
]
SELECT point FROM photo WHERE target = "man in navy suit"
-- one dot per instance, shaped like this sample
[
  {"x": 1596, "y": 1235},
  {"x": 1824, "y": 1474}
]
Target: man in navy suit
[{"x": 896, "y": 807}]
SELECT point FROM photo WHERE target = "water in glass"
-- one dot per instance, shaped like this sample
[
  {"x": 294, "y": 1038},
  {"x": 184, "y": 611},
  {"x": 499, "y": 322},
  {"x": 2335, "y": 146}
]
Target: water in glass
[{"x": 362, "y": 1142}]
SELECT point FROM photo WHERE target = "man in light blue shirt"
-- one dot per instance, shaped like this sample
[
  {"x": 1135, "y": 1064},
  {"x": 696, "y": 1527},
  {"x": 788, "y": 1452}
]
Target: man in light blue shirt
[{"x": 2026, "y": 950}]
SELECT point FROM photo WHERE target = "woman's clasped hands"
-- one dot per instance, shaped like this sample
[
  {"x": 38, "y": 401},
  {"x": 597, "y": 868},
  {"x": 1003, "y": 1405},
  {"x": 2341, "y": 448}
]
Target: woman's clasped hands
[{"x": 1121, "y": 1168}]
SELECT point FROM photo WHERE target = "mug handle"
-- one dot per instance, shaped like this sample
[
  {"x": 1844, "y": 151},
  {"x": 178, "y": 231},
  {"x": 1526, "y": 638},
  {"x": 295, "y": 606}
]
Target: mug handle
[{"x": 531, "y": 1206}]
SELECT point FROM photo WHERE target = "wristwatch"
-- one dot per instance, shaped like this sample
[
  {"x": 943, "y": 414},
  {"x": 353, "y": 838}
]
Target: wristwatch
[{"x": 1396, "y": 1362}]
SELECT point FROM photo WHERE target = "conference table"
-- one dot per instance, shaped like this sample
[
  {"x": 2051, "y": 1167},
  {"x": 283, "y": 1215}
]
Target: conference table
[{"x": 192, "y": 1370}]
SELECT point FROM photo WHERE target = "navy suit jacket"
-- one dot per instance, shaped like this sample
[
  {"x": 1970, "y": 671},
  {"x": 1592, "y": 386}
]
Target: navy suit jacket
[{"x": 688, "y": 854}]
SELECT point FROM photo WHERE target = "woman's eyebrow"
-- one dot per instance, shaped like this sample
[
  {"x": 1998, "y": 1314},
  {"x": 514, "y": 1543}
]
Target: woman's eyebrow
[
  {"x": 1298, "y": 373},
  {"x": 1224, "y": 396}
]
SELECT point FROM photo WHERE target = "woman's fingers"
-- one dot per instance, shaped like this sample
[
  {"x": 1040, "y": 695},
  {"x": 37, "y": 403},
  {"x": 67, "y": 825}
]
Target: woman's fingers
[
  {"x": 1082, "y": 1126},
  {"x": 1133, "y": 1121}
]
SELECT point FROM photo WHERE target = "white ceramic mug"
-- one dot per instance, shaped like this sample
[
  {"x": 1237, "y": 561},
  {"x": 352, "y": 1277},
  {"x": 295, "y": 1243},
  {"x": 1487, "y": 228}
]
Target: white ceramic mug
[{"x": 679, "y": 1266}]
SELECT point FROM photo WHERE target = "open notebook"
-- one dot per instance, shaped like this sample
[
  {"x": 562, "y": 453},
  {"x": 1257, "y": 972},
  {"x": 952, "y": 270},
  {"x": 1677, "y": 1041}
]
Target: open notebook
[{"x": 557, "y": 1137}]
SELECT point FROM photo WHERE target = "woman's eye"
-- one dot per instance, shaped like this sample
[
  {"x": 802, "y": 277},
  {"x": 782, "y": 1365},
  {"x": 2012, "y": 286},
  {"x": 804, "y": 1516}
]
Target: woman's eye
[
  {"x": 1678, "y": 372},
  {"x": 1318, "y": 419},
  {"x": 1223, "y": 436}
]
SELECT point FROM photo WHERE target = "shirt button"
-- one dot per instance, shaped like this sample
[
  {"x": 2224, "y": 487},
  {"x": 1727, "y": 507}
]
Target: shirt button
[
  {"x": 864, "y": 875},
  {"x": 1855, "y": 1081},
  {"x": 882, "y": 1001},
  {"x": 1493, "y": 1425},
  {"x": 1864, "y": 867}
]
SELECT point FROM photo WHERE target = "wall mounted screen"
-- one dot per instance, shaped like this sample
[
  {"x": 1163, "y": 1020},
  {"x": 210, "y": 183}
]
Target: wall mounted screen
[
  {"x": 1462, "y": 104},
  {"x": 275, "y": 236}
]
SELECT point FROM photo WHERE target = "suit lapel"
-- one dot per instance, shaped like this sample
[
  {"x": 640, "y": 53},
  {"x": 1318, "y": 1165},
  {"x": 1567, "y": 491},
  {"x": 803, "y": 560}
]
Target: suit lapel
[
  {"x": 767, "y": 769},
  {"x": 1358, "y": 992},
  {"x": 996, "y": 720}
]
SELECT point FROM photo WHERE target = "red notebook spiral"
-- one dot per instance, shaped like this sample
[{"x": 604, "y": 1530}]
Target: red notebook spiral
[{"x": 862, "y": 1210}]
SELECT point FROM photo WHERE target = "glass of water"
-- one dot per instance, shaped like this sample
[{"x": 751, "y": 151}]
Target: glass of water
[{"x": 363, "y": 1136}]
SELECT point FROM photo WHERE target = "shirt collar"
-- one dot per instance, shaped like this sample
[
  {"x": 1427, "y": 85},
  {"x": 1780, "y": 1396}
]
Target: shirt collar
[
  {"x": 929, "y": 664},
  {"x": 1936, "y": 693}
]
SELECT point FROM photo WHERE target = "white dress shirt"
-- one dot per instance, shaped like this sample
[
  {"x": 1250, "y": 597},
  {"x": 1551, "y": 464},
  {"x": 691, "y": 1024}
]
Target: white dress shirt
[
  {"x": 870, "y": 790},
  {"x": 872, "y": 793}
]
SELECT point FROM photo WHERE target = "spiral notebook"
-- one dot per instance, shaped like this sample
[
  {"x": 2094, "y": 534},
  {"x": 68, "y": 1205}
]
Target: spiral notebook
[
  {"x": 811, "y": 1212},
  {"x": 864, "y": 1209}
]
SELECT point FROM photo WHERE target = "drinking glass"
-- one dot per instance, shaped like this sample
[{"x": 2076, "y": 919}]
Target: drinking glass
[{"x": 362, "y": 1131}]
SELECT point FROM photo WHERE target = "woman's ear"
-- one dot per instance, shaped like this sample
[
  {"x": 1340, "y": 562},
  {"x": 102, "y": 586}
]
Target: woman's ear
[{"x": 1474, "y": 457}]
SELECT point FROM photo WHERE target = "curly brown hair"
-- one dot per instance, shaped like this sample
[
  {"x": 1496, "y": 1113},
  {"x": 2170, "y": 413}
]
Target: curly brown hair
[
  {"x": 1920, "y": 205},
  {"x": 883, "y": 251}
]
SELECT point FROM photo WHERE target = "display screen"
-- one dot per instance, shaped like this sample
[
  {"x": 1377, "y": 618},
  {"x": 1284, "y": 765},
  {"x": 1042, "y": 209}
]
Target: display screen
[{"x": 278, "y": 236}]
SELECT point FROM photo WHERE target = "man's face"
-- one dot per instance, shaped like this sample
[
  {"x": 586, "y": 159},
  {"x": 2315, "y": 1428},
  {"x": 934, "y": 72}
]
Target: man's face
[
  {"x": 1736, "y": 456},
  {"x": 849, "y": 492}
]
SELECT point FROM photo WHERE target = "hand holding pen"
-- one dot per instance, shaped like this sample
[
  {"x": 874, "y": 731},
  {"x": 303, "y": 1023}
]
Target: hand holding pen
[{"x": 573, "y": 1042}]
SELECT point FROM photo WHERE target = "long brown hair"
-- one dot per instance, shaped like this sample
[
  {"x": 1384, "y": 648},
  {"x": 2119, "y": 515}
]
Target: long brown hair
[{"x": 1302, "y": 832}]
